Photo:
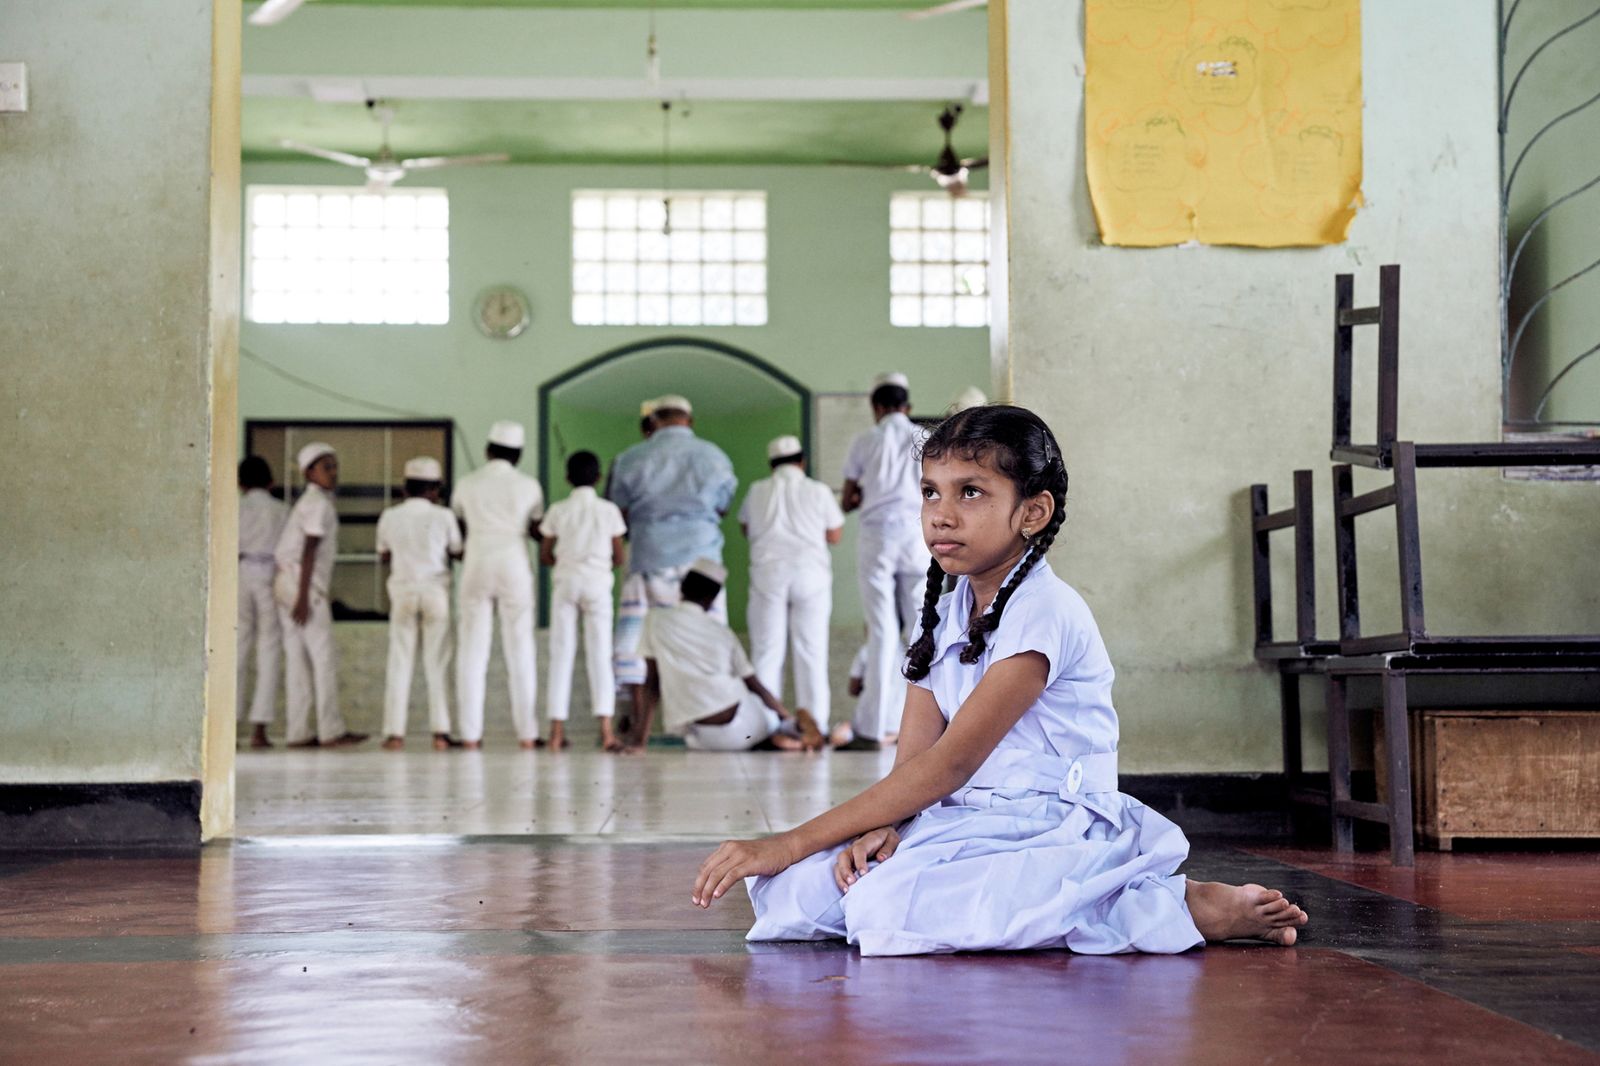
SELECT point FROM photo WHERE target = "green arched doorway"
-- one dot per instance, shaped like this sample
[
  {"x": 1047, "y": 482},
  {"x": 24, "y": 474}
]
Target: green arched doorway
[{"x": 740, "y": 403}]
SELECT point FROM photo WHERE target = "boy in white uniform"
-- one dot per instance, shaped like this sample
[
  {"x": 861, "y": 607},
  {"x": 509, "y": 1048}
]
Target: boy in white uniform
[
  {"x": 883, "y": 479},
  {"x": 261, "y": 518},
  {"x": 583, "y": 542},
  {"x": 696, "y": 668},
  {"x": 417, "y": 540},
  {"x": 305, "y": 556},
  {"x": 791, "y": 520},
  {"x": 500, "y": 508}
]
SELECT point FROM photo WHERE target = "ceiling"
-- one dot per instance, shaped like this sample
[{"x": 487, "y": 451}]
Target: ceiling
[
  {"x": 715, "y": 384},
  {"x": 622, "y": 131},
  {"x": 720, "y": 5}
]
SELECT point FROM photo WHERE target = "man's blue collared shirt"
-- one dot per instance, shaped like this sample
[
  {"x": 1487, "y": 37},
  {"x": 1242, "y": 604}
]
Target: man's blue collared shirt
[{"x": 674, "y": 488}]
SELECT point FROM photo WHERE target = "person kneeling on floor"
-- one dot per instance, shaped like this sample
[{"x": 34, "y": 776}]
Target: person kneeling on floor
[{"x": 696, "y": 668}]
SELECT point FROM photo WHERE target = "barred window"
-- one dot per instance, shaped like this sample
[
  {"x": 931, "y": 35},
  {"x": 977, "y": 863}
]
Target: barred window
[
  {"x": 649, "y": 258},
  {"x": 939, "y": 259},
  {"x": 337, "y": 254}
]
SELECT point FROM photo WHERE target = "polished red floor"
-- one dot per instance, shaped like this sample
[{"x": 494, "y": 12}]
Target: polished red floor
[{"x": 579, "y": 950}]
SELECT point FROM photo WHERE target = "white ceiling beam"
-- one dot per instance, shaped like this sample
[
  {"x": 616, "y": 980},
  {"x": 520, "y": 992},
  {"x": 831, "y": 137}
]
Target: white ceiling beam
[{"x": 335, "y": 89}]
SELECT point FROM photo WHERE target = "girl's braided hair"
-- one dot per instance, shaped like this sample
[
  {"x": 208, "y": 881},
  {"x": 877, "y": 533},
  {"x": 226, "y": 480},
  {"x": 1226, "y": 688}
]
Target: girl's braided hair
[{"x": 1017, "y": 443}]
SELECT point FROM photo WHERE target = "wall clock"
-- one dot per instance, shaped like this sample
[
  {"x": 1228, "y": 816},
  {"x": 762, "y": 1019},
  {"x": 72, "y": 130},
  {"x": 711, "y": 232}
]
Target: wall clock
[{"x": 502, "y": 312}]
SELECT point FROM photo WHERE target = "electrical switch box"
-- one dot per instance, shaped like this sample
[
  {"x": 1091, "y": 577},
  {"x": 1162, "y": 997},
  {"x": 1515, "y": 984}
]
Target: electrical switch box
[{"x": 13, "y": 86}]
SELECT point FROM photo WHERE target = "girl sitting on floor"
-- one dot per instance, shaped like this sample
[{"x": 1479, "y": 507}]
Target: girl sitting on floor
[{"x": 1001, "y": 826}]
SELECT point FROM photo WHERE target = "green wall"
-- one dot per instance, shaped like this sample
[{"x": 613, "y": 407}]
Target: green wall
[{"x": 828, "y": 318}]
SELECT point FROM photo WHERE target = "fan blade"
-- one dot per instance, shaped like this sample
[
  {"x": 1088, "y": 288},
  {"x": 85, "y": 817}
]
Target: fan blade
[
  {"x": 944, "y": 9},
  {"x": 430, "y": 162},
  {"x": 976, "y": 164},
  {"x": 915, "y": 168},
  {"x": 273, "y": 12},
  {"x": 326, "y": 153}
]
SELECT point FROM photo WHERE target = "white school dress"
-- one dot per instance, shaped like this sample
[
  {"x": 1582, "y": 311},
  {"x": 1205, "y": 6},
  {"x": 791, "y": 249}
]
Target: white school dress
[{"x": 1038, "y": 849}]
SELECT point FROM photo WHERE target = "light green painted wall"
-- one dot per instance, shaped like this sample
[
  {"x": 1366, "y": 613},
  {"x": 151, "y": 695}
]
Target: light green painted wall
[
  {"x": 1177, "y": 377},
  {"x": 1564, "y": 76},
  {"x": 106, "y": 341},
  {"x": 828, "y": 324}
]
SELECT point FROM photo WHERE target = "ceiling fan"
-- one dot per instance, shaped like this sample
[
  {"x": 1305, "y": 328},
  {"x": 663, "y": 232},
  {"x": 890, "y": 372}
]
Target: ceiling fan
[
  {"x": 383, "y": 169},
  {"x": 926, "y": 13},
  {"x": 273, "y": 12},
  {"x": 949, "y": 170}
]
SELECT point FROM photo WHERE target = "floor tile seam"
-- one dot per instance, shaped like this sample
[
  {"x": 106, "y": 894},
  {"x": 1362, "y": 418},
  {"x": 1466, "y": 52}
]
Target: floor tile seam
[
  {"x": 407, "y": 944},
  {"x": 1444, "y": 986}
]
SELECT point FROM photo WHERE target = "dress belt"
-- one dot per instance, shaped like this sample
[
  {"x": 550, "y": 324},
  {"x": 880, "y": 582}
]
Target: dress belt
[{"x": 1067, "y": 777}]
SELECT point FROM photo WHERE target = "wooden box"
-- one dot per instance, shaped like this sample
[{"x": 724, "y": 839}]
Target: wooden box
[{"x": 1508, "y": 774}]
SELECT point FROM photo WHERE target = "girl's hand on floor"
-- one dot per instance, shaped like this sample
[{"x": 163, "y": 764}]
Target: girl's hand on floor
[
  {"x": 851, "y": 865},
  {"x": 735, "y": 860}
]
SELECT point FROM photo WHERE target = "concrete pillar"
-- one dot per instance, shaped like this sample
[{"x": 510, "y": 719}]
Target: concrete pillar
[{"x": 119, "y": 290}]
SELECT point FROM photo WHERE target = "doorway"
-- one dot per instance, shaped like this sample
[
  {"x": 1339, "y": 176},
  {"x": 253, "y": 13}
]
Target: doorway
[{"x": 740, "y": 403}]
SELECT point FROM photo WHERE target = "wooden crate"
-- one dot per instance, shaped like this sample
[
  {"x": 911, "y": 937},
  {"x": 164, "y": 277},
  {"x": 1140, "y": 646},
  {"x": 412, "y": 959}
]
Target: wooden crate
[{"x": 1508, "y": 774}]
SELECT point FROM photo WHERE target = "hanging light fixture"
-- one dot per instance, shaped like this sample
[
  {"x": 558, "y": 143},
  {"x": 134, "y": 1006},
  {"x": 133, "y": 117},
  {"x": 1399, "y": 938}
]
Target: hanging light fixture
[
  {"x": 652, "y": 53},
  {"x": 666, "y": 167}
]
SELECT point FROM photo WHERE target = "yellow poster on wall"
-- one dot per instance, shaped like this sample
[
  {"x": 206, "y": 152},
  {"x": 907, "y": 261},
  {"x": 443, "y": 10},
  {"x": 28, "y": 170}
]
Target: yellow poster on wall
[{"x": 1223, "y": 121}]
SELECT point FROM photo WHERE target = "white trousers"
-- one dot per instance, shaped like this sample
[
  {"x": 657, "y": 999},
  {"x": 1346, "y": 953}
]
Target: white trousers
[
  {"x": 643, "y": 592},
  {"x": 258, "y": 632},
  {"x": 496, "y": 581},
  {"x": 414, "y": 608},
  {"x": 892, "y": 572},
  {"x": 592, "y": 600},
  {"x": 752, "y": 723},
  {"x": 792, "y": 608},
  {"x": 310, "y": 667}
]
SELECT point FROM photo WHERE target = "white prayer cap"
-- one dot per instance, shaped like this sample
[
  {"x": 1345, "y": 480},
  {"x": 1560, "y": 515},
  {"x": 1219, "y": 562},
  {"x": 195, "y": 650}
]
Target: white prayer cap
[
  {"x": 710, "y": 568},
  {"x": 312, "y": 452},
  {"x": 507, "y": 434},
  {"x": 647, "y": 409},
  {"x": 672, "y": 402},
  {"x": 424, "y": 468},
  {"x": 783, "y": 447},
  {"x": 971, "y": 396},
  {"x": 893, "y": 377}
]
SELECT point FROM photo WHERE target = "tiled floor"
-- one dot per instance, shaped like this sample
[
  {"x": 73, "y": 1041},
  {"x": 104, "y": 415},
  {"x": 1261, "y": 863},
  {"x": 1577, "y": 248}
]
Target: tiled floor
[{"x": 504, "y": 906}]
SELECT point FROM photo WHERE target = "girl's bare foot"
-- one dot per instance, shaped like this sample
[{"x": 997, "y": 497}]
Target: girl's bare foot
[
  {"x": 1238, "y": 912},
  {"x": 394, "y": 743}
]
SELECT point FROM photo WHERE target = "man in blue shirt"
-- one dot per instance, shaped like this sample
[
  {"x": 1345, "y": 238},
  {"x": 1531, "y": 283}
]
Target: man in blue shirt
[{"x": 673, "y": 490}]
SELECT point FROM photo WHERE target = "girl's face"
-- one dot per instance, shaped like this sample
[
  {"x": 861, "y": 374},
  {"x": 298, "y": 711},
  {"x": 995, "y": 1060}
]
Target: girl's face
[{"x": 972, "y": 517}]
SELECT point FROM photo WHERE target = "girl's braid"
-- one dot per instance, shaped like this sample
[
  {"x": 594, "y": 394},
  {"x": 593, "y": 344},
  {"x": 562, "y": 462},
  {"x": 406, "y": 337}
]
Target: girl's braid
[{"x": 919, "y": 657}]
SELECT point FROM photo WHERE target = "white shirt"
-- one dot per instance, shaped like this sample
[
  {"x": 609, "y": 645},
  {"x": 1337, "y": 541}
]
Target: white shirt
[
  {"x": 499, "y": 503},
  {"x": 313, "y": 515},
  {"x": 701, "y": 664},
  {"x": 584, "y": 526},
  {"x": 261, "y": 518},
  {"x": 883, "y": 461},
  {"x": 1073, "y": 715},
  {"x": 788, "y": 516},
  {"x": 419, "y": 536}
]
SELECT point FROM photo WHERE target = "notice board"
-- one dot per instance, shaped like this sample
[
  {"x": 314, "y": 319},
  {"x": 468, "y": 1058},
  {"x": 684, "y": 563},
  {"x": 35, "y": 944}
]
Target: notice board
[{"x": 1223, "y": 121}]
